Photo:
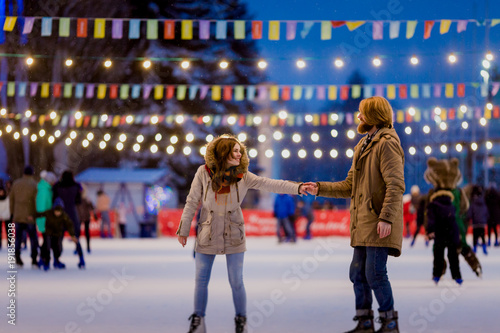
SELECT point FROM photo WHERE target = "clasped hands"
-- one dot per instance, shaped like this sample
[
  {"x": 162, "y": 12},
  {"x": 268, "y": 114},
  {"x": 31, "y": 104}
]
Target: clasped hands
[{"x": 309, "y": 188}]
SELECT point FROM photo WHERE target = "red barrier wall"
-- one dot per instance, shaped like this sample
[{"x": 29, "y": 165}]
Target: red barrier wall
[{"x": 262, "y": 223}]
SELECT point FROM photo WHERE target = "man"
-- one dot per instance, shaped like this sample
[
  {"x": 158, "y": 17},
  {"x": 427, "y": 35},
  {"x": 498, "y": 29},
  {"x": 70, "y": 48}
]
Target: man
[
  {"x": 23, "y": 207},
  {"x": 375, "y": 184}
]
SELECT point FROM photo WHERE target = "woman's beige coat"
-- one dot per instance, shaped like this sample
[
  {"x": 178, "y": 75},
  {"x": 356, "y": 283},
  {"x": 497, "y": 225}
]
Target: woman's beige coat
[
  {"x": 221, "y": 228},
  {"x": 375, "y": 184}
]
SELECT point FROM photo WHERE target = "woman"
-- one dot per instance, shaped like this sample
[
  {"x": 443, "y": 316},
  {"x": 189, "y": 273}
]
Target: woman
[
  {"x": 85, "y": 208},
  {"x": 44, "y": 199},
  {"x": 221, "y": 185}
]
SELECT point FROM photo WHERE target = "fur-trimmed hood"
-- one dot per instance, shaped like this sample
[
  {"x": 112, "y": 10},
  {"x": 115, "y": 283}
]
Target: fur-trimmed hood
[
  {"x": 443, "y": 173},
  {"x": 210, "y": 154}
]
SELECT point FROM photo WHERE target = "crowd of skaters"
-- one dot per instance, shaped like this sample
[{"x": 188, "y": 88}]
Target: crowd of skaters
[{"x": 52, "y": 206}]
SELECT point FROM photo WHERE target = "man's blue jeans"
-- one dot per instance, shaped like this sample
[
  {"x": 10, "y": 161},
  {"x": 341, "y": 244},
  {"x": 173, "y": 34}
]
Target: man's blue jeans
[
  {"x": 204, "y": 264},
  {"x": 368, "y": 272}
]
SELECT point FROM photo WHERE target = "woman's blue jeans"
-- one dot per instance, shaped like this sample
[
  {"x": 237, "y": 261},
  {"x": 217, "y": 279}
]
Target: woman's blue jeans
[
  {"x": 368, "y": 272},
  {"x": 204, "y": 264}
]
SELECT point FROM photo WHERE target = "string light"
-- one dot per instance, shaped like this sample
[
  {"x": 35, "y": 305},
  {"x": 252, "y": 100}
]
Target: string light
[
  {"x": 334, "y": 153},
  {"x": 489, "y": 145},
  {"x": 452, "y": 58},
  {"x": 301, "y": 63},
  {"x": 443, "y": 126},
  {"x": 458, "y": 147},
  {"x": 412, "y": 150},
  {"x": 318, "y": 153},
  {"x": 486, "y": 64},
  {"x": 41, "y": 133},
  {"x": 72, "y": 135},
  {"x": 334, "y": 133},
  {"x": 285, "y": 153},
  {"x": 282, "y": 114},
  {"x": 277, "y": 135},
  {"x": 465, "y": 125},
  {"x": 179, "y": 119},
  {"x": 107, "y": 137},
  {"x": 473, "y": 146},
  {"x": 57, "y": 133},
  {"x": 104, "y": 117},
  {"x": 136, "y": 147},
  {"x": 189, "y": 137},
  {"x": 302, "y": 153},
  {"x": 444, "y": 149},
  {"x": 68, "y": 62},
  {"x": 33, "y": 137},
  {"x": 261, "y": 138},
  {"x": 349, "y": 153},
  {"x": 408, "y": 130},
  {"x": 90, "y": 136},
  {"x": 414, "y": 60},
  {"x": 253, "y": 153},
  {"x": 269, "y": 153},
  {"x": 209, "y": 138},
  {"x": 53, "y": 115},
  {"x": 140, "y": 138},
  {"x": 315, "y": 137},
  {"x": 3, "y": 111},
  {"x": 102, "y": 144},
  {"x": 437, "y": 111},
  {"x": 25, "y": 131},
  {"x": 158, "y": 137},
  {"x": 489, "y": 56},
  {"x": 483, "y": 121},
  {"x": 339, "y": 63},
  {"x": 185, "y": 64},
  {"x": 411, "y": 111},
  {"x": 206, "y": 119},
  {"x": 174, "y": 139},
  {"x": 119, "y": 146},
  {"x": 129, "y": 119},
  {"x": 154, "y": 120},
  {"x": 257, "y": 120},
  {"x": 426, "y": 129},
  {"x": 170, "y": 150},
  {"x": 8, "y": 128},
  {"x": 262, "y": 64},
  {"x": 351, "y": 134},
  {"x": 376, "y": 62},
  {"x": 224, "y": 64},
  {"x": 428, "y": 150},
  {"x": 296, "y": 138},
  {"x": 153, "y": 149},
  {"x": 107, "y": 64},
  {"x": 27, "y": 114},
  {"x": 51, "y": 139},
  {"x": 308, "y": 118},
  {"x": 231, "y": 120},
  {"x": 489, "y": 106},
  {"x": 17, "y": 135},
  {"x": 78, "y": 115},
  {"x": 242, "y": 137},
  {"x": 463, "y": 108},
  {"x": 68, "y": 141},
  {"x": 146, "y": 64},
  {"x": 29, "y": 61},
  {"x": 85, "y": 143},
  {"x": 122, "y": 137}
]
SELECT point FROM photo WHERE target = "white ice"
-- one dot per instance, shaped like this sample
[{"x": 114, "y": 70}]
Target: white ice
[{"x": 301, "y": 287}]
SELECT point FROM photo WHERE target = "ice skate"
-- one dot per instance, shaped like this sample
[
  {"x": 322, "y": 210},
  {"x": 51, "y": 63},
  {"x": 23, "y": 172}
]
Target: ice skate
[
  {"x": 389, "y": 321},
  {"x": 59, "y": 265},
  {"x": 471, "y": 259},
  {"x": 436, "y": 279},
  {"x": 241, "y": 324},
  {"x": 197, "y": 324},
  {"x": 485, "y": 251},
  {"x": 459, "y": 281},
  {"x": 81, "y": 264},
  {"x": 365, "y": 322}
]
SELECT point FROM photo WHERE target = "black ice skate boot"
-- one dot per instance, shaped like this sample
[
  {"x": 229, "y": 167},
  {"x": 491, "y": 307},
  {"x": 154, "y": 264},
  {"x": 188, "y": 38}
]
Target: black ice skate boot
[
  {"x": 365, "y": 322},
  {"x": 389, "y": 321},
  {"x": 241, "y": 324},
  {"x": 197, "y": 324}
]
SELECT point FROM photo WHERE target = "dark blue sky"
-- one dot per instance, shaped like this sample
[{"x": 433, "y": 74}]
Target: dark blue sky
[{"x": 433, "y": 67}]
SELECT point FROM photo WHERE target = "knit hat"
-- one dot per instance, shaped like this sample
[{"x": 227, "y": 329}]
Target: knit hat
[
  {"x": 28, "y": 170},
  {"x": 58, "y": 203},
  {"x": 48, "y": 176}
]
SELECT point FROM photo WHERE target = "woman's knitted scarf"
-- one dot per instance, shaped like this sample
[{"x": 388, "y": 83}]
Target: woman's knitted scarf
[{"x": 229, "y": 178}]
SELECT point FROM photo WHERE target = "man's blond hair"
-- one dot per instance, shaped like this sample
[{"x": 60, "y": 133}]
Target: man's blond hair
[{"x": 377, "y": 111}]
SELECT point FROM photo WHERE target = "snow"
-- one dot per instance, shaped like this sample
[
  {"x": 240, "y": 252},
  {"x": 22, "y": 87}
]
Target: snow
[{"x": 301, "y": 287}]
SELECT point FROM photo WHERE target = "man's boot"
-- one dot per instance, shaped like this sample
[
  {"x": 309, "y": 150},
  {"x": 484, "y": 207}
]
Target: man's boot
[
  {"x": 365, "y": 322},
  {"x": 389, "y": 321}
]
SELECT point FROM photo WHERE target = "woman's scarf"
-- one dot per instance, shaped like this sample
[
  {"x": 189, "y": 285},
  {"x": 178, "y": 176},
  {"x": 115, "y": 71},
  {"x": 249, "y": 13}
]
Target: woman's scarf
[{"x": 230, "y": 177}]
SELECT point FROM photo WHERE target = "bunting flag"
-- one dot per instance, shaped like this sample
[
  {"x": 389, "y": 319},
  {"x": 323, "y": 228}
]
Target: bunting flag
[
  {"x": 262, "y": 92},
  {"x": 222, "y": 27}
]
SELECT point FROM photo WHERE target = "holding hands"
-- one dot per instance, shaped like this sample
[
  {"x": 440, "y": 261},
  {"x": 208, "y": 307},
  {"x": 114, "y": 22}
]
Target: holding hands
[{"x": 309, "y": 188}]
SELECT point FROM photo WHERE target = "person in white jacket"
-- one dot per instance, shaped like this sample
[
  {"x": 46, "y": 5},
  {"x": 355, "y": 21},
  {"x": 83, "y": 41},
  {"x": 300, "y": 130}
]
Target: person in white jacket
[{"x": 221, "y": 185}]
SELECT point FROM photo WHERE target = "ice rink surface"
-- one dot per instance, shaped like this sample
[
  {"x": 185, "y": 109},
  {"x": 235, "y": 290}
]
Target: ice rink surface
[{"x": 146, "y": 285}]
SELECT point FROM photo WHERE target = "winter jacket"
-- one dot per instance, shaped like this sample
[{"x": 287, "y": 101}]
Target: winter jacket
[
  {"x": 492, "y": 198},
  {"x": 22, "y": 199},
  {"x": 84, "y": 209},
  {"x": 221, "y": 228},
  {"x": 478, "y": 212},
  {"x": 441, "y": 219},
  {"x": 71, "y": 194},
  {"x": 103, "y": 203},
  {"x": 43, "y": 202},
  {"x": 284, "y": 206},
  {"x": 375, "y": 184},
  {"x": 56, "y": 225},
  {"x": 4, "y": 209}
]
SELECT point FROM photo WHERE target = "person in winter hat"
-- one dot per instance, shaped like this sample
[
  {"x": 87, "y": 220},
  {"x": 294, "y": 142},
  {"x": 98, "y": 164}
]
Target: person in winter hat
[
  {"x": 56, "y": 222},
  {"x": 221, "y": 185},
  {"x": 375, "y": 184}
]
